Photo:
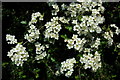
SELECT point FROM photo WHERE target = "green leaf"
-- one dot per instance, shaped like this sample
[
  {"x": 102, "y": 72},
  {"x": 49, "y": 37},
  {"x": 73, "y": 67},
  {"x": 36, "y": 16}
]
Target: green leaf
[
  {"x": 77, "y": 77},
  {"x": 4, "y": 64},
  {"x": 69, "y": 28},
  {"x": 20, "y": 73},
  {"x": 64, "y": 36},
  {"x": 24, "y": 76},
  {"x": 36, "y": 70},
  {"x": 23, "y": 22},
  {"x": 103, "y": 42},
  {"x": 79, "y": 55},
  {"x": 113, "y": 76},
  {"x": 37, "y": 75},
  {"x": 52, "y": 59},
  {"x": 118, "y": 53},
  {"x": 82, "y": 74}
]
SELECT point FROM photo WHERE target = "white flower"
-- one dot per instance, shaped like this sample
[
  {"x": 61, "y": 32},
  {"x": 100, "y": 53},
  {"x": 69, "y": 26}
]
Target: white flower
[
  {"x": 71, "y": 41},
  {"x": 68, "y": 74},
  {"x": 41, "y": 56},
  {"x": 67, "y": 66},
  {"x": 33, "y": 34},
  {"x": 76, "y": 28},
  {"x": 87, "y": 50},
  {"x": 98, "y": 30},
  {"x": 91, "y": 61},
  {"x": 96, "y": 44},
  {"x": 74, "y": 22},
  {"x": 95, "y": 11},
  {"x": 52, "y": 28},
  {"x": 56, "y": 7},
  {"x": 75, "y": 37},
  {"x": 101, "y": 8},
  {"x": 40, "y": 51},
  {"x": 110, "y": 41},
  {"x": 57, "y": 73},
  {"x": 11, "y": 39},
  {"x": 108, "y": 36},
  {"x": 117, "y": 31},
  {"x": 77, "y": 46},
  {"x": 69, "y": 46},
  {"x": 63, "y": 20},
  {"x": 76, "y": 43},
  {"x": 18, "y": 54},
  {"x": 118, "y": 45},
  {"x": 34, "y": 17},
  {"x": 113, "y": 25}
]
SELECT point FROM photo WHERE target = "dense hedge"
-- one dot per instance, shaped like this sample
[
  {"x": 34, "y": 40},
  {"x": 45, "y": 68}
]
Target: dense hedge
[{"x": 12, "y": 16}]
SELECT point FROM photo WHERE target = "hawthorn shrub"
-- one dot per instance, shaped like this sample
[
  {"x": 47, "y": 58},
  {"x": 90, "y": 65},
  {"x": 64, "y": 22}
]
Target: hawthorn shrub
[{"x": 52, "y": 40}]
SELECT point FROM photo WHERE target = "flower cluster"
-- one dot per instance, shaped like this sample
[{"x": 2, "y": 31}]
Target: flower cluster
[
  {"x": 55, "y": 6},
  {"x": 74, "y": 9},
  {"x": 91, "y": 61},
  {"x": 117, "y": 31},
  {"x": 96, "y": 44},
  {"x": 89, "y": 24},
  {"x": 67, "y": 66},
  {"x": 63, "y": 20},
  {"x": 40, "y": 51},
  {"x": 34, "y": 17},
  {"x": 18, "y": 54},
  {"x": 52, "y": 28},
  {"x": 87, "y": 50},
  {"x": 109, "y": 36},
  {"x": 33, "y": 34},
  {"x": 11, "y": 39},
  {"x": 76, "y": 43}
]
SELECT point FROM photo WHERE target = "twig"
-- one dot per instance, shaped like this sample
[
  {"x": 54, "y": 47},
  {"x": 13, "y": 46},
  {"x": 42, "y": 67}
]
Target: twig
[
  {"x": 25, "y": 43},
  {"x": 49, "y": 68}
]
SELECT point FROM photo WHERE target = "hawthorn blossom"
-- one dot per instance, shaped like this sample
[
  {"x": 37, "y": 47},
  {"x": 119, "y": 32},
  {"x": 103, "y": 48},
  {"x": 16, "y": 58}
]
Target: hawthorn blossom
[
  {"x": 11, "y": 39},
  {"x": 91, "y": 61},
  {"x": 67, "y": 66},
  {"x": 76, "y": 43},
  {"x": 40, "y": 51},
  {"x": 33, "y": 34},
  {"x": 18, "y": 54}
]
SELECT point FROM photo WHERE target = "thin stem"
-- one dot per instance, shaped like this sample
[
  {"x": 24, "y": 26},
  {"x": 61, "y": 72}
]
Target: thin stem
[
  {"x": 25, "y": 43},
  {"x": 49, "y": 67}
]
